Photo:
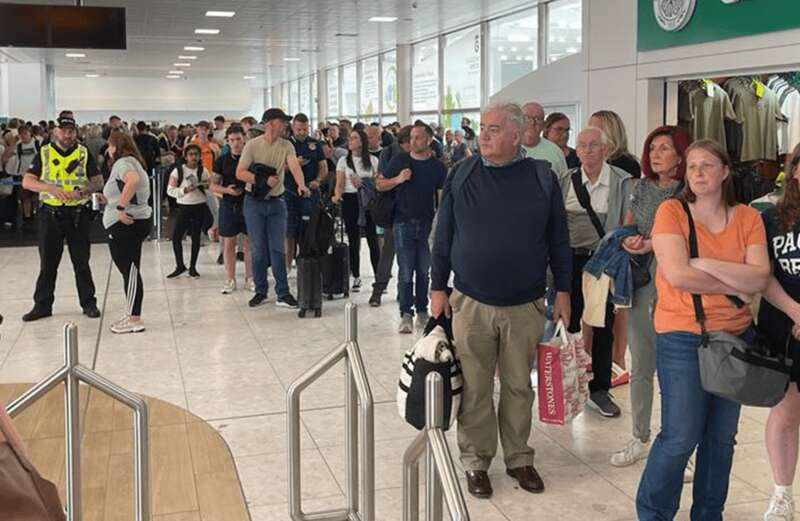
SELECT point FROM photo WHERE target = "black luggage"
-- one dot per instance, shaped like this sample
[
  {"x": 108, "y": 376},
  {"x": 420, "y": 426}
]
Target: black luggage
[
  {"x": 309, "y": 287},
  {"x": 9, "y": 206},
  {"x": 336, "y": 267}
]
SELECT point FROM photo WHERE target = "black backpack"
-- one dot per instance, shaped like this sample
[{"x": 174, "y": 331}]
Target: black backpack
[{"x": 179, "y": 166}]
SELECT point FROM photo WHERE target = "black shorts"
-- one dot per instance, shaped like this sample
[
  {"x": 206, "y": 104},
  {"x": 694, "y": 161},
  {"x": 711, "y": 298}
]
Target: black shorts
[{"x": 231, "y": 219}]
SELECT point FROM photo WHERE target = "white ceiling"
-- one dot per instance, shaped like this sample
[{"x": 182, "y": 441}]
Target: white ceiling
[{"x": 261, "y": 35}]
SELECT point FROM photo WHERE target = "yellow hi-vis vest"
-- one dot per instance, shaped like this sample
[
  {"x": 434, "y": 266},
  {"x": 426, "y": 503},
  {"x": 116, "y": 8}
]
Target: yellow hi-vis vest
[{"x": 67, "y": 172}]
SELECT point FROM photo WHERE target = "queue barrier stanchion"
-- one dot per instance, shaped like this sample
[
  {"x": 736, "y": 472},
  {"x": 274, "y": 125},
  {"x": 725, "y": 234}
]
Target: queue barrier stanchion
[
  {"x": 72, "y": 373},
  {"x": 359, "y": 432},
  {"x": 441, "y": 477}
]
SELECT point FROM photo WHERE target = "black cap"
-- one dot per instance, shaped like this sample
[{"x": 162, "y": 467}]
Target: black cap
[
  {"x": 66, "y": 121},
  {"x": 274, "y": 113}
]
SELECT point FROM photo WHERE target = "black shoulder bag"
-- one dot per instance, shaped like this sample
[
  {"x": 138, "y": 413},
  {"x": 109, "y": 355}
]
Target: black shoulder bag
[{"x": 747, "y": 373}]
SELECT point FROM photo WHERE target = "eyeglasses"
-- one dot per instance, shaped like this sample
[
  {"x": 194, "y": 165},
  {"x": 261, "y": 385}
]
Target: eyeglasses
[
  {"x": 560, "y": 130},
  {"x": 536, "y": 120}
]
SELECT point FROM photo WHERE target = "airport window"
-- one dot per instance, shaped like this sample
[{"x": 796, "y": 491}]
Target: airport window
[
  {"x": 513, "y": 48},
  {"x": 564, "y": 29},
  {"x": 462, "y": 70},
  {"x": 389, "y": 82},
  {"x": 349, "y": 91},
  {"x": 333, "y": 92},
  {"x": 425, "y": 76},
  {"x": 370, "y": 95}
]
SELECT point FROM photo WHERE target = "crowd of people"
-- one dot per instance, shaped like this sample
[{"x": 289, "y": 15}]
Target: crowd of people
[{"x": 499, "y": 230}]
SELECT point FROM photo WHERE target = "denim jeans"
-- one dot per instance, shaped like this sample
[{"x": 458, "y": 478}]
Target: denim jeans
[
  {"x": 690, "y": 418},
  {"x": 413, "y": 258},
  {"x": 266, "y": 226}
]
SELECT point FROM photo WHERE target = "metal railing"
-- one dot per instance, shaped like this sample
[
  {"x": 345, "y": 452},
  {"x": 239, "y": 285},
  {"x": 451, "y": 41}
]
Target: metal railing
[
  {"x": 441, "y": 478},
  {"x": 72, "y": 374},
  {"x": 360, "y": 433}
]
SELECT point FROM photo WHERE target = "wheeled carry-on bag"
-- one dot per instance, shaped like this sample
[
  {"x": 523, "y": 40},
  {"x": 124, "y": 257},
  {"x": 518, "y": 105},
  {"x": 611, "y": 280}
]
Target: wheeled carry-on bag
[
  {"x": 336, "y": 267},
  {"x": 309, "y": 287}
]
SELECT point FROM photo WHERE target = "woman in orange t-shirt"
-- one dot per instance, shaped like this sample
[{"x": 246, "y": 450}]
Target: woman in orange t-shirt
[{"x": 732, "y": 260}]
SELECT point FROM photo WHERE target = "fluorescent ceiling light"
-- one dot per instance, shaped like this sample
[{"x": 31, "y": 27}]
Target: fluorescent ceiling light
[
  {"x": 75, "y": 55},
  {"x": 501, "y": 48},
  {"x": 206, "y": 31},
  {"x": 384, "y": 19},
  {"x": 513, "y": 49},
  {"x": 503, "y": 57},
  {"x": 173, "y": 77},
  {"x": 221, "y": 14},
  {"x": 176, "y": 72},
  {"x": 92, "y": 75},
  {"x": 187, "y": 57},
  {"x": 249, "y": 77},
  {"x": 572, "y": 50},
  {"x": 291, "y": 59},
  {"x": 193, "y": 48},
  {"x": 182, "y": 64}
]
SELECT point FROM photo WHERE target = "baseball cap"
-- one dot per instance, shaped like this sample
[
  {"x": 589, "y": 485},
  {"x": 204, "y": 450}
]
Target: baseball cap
[
  {"x": 274, "y": 113},
  {"x": 66, "y": 121}
]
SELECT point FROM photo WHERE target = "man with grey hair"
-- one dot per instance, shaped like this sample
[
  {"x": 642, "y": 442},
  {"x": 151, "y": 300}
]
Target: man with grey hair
[
  {"x": 501, "y": 223},
  {"x": 535, "y": 145},
  {"x": 597, "y": 198}
]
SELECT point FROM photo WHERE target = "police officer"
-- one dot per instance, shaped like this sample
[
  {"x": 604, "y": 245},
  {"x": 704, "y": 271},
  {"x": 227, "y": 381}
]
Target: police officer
[
  {"x": 65, "y": 175},
  {"x": 315, "y": 170}
]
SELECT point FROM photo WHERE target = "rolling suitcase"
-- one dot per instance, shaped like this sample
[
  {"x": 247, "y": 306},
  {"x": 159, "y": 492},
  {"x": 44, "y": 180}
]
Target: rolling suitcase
[
  {"x": 309, "y": 287},
  {"x": 336, "y": 267}
]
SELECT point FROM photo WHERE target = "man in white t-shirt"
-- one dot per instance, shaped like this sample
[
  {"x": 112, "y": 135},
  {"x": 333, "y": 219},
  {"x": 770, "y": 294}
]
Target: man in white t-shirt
[{"x": 535, "y": 145}]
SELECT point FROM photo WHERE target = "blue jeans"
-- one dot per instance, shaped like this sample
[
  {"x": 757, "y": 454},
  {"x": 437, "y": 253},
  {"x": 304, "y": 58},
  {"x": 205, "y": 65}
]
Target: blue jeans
[
  {"x": 690, "y": 418},
  {"x": 266, "y": 226},
  {"x": 413, "y": 257}
]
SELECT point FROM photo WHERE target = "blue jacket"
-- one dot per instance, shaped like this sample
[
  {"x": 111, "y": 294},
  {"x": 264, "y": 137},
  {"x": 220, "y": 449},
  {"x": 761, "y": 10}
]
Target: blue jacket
[{"x": 611, "y": 259}]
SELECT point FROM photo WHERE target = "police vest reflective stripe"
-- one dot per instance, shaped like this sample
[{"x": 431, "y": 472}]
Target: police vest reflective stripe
[{"x": 67, "y": 172}]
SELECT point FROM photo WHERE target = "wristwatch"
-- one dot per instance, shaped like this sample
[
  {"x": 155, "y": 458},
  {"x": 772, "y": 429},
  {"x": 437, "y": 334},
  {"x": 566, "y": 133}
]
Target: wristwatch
[{"x": 120, "y": 208}]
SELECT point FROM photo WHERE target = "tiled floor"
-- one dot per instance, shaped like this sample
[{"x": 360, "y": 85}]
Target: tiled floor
[{"x": 231, "y": 366}]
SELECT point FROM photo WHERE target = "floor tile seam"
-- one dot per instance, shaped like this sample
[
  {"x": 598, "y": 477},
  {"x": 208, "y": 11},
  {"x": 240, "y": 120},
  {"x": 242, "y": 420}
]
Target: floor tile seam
[{"x": 286, "y": 502}]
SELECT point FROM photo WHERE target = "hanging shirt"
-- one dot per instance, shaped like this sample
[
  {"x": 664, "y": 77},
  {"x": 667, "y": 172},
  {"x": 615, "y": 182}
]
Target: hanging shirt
[
  {"x": 759, "y": 116},
  {"x": 705, "y": 111}
]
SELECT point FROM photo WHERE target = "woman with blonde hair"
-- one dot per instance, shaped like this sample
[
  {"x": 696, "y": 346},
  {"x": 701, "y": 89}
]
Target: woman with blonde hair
[{"x": 618, "y": 153}]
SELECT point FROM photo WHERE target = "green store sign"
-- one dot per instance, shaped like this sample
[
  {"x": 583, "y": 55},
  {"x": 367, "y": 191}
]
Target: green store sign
[{"x": 672, "y": 23}]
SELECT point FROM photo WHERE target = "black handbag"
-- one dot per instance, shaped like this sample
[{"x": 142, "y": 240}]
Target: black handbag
[
  {"x": 381, "y": 209},
  {"x": 640, "y": 270},
  {"x": 746, "y": 373}
]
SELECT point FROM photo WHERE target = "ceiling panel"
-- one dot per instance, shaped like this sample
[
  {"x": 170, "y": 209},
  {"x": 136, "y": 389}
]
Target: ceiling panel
[{"x": 262, "y": 34}]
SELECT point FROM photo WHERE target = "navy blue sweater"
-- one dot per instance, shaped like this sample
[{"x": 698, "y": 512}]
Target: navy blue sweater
[{"x": 499, "y": 234}]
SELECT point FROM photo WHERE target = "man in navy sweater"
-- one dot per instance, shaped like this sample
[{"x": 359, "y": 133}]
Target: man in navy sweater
[{"x": 501, "y": 223}]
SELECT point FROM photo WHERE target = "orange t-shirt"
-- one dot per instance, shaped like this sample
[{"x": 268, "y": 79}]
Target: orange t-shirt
[
  {"x": 674, "y": 308},
  {"x": 206, "y": 154}
]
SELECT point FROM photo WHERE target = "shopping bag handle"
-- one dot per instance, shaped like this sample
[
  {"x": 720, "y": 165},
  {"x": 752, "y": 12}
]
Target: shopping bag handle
[{"x": 561, "y": 331}]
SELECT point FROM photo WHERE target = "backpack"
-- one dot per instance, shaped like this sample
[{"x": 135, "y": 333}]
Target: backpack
[
  {"x": 463, "y": 169},
  {"x": 179, "y": 166}
]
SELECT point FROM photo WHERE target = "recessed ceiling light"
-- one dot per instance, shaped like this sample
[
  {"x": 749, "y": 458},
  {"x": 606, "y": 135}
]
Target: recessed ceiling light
[
  {"x": 176, "y": 72},
  {"x": 75, "y": 55},
  {"x": 249, "y": 77},
  {"x": 221, "y": 14},
  {"x": 384, "y": 19},
  {"x": 92, "y": 75},
  {"x": 501, "y": 48},
  {"x": 187, "y": 57},
  {"x": 173, "y": 77},
  {"x": 182, "y": 64},
  {"x": 291, "y": 59},
  {"x": 193, "y": 48},
  {"x": 206, "y": 31}
]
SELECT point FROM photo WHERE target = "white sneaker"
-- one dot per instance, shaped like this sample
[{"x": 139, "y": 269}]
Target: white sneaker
[
  {"x": 127, "y": 326},
  {"x": 632, "y": 452},
  {"x": 229, "y": 287},
  {"x": 406, "y": 325},
  {"x": 249, "y": 285},
  {"x": 781, "y": 508},
  {"x": 688, "y": 472}
]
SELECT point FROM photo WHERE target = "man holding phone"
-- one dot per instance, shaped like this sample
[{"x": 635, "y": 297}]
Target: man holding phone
[{"x": 231, "y": 209}]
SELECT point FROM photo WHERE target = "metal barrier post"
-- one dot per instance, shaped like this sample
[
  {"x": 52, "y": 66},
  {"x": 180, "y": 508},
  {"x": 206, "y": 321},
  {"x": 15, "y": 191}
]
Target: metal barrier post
[
  {"x": 359, "y": 432},
  {"x": 72, "y": 374},
  {"x": 155, "y": 192},
  {"x": 442, "y": 479}
]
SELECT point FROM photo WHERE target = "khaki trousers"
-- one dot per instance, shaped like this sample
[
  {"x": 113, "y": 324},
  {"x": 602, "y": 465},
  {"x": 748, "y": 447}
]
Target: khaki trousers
[{"x": 488, "y": 337}]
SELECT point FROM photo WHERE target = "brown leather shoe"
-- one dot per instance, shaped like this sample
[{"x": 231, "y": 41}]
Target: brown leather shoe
[
  {"x": 528, "y": 478},
  {"x": 478, "y": 484}
]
